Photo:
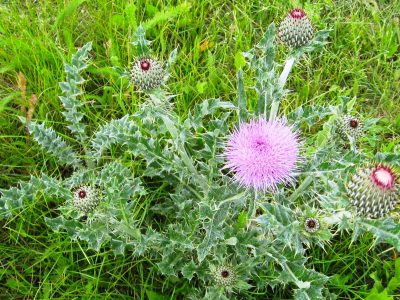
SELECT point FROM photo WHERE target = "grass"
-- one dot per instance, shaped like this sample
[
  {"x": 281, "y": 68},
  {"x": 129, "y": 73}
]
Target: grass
[{"x": 37, "y": 37}]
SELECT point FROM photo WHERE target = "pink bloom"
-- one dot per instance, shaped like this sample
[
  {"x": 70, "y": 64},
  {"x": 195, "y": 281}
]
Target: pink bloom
[{"x": 262, "y": 153}]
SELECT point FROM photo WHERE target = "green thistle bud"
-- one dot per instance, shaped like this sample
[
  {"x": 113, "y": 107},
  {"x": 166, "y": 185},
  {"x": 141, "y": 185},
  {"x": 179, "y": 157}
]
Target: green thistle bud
[
  {"x": 311, "y": 225},
  {"x": 373, "y": 191},
  {"x": 86, "y": 199},
  {"x": 147, "y": 73},
  {"x": 224, "y": 275},
  {"x": 296, "y": 29},
  {"x": 349, "y": 126}
]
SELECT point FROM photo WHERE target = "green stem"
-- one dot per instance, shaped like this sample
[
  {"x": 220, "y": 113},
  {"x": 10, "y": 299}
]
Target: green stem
[
  {"x": 304, "y": 185},
  {"x": 282, "y": 81},
  {"x": 252, "y": 207}
]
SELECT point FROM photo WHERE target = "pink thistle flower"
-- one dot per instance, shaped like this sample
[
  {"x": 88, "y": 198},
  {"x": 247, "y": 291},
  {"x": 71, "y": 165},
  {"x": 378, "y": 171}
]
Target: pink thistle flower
[{"x": 262, "y": 153}]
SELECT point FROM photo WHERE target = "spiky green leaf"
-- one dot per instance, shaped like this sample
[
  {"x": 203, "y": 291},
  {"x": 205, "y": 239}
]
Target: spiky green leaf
[{"x": 52, "y": 143}]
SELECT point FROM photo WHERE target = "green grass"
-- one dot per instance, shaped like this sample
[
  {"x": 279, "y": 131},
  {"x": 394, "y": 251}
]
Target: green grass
[{"x": 362, "y": 60}]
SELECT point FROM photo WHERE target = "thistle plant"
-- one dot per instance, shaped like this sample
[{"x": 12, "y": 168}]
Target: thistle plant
[
  {"x": 244, "y": 201},
  {"x": 99, "y": 197},
  {"x": 223, "y": 176},
  {"x": 218, "y": 177}
]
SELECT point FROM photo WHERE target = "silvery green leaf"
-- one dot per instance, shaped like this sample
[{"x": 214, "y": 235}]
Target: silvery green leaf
[
  {"x": 262, "y": 60},
  {"x": 384, "y": 230},
  {"x": 119, "y": 183},
  {"x": 213, "y": 220},
  {"x": 317, "y": 43},
  {"x": 78, "y": 59},
  {"x": 308, "y": 115},
  {"x": 60, "y": 223},
  {"x": 172, "y": 58},
  {"x": 117, "y": 246},
  {"x": 189, "y": 270},
  {"x": 242, "y": 285},
  {"x": 167, "y": 264},
  {"x": 95, "y": 235},
  {"x": 70, "y": 89},
  {"x": 121, "y": 72},
  {"x": 309, "y": 282},
  {"x": 15, "y": 198},
  {"x": 215, "y": 293},
  {"x": 142, "y": 45},
  {"x": 54, "y": 144},
  {"x": 122, "y": 132}
]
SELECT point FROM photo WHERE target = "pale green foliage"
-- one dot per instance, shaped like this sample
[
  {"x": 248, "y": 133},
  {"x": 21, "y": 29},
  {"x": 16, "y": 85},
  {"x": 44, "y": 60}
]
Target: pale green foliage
[
  {"x": 112, "y": 220},
  {"x": 142, "y": 45},
  {"x": 47, "y": 137},
  {"x": 122, "y": 131},
  {"x": 208, "y": 225},
  {"x": 17, "y": 197},
  {"x": 386, "y": 231},
  {"x": 50, "y": 141},
  {"x": 70, "y": 89},
  {"x": 316, "y": 44},
  {"x": 262, "y": 60},
  {"x": 204, "y": 220}
]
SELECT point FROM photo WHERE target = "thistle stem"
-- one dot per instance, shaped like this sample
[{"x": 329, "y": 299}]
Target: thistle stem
[
  {"x": 286, "y": 70},
  {"x": 89, "y": 161},
  {"x": 282, "y": 81},
  {"x": 353, "y": 145},
  {"x": 304, "y": 185},
  {"x": 252, "y": 207}
]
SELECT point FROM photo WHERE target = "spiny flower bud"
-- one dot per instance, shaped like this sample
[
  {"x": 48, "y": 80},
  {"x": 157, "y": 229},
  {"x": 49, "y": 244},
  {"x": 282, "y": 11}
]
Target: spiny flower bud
[
  {"x": 349, "y": 126},
  {"x": 86, "y": 199},
  {"x": 224, "y": 275},
  {"x": 147, "y": 73},
  {"x": 296, "y": 29},
  {"x": 311, "y": 225},
  {"x": 374, "y": 191}
]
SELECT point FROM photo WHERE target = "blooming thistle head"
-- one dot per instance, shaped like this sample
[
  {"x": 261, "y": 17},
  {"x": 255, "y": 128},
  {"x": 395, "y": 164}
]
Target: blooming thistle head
[
  {"x": 86, "y": 199},
  {"x": 262, "y": 153},
  {"x": 147, "y": 73},
  {"x": 374, "y": 191},
  {"x": 224, "y": 275},
  {"x": 311, "y": 225},
  {"x": 296, "y": 29},
  {"x": 349, "y": 126}
]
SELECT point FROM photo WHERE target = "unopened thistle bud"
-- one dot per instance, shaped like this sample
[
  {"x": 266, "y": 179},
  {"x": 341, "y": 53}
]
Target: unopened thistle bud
[
  {"x": 374, "y": 191},
  {"x": 86, "y": 199},
  {"x": 147, "y": 73},
  {"x": 311, "y": 225},
  {"x": 349, "y": 126},
  {"x": 224, "y": 275},
  {"x": 296, "y": 29}
]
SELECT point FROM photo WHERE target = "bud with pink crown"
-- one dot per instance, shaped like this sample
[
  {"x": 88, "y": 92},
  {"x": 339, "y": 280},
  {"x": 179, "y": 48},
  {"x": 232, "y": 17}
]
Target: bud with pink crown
[
  {"x": 374, "y": 191},
  {"x": 296, "y": 29}
]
